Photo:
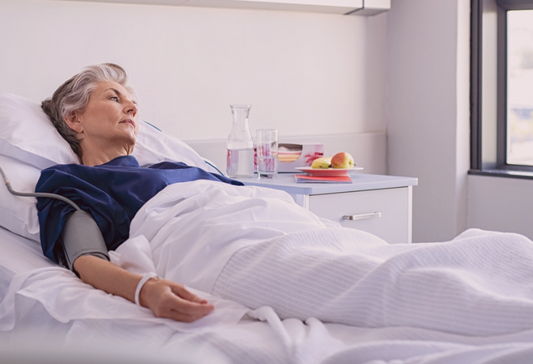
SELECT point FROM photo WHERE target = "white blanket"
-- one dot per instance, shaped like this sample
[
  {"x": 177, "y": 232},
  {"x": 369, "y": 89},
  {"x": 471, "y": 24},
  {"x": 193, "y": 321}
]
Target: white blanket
[
  {"x": 478, "y": 284},
  {"x": 195, "y": 227},
  {"x": 471, "y": 298},
  {"x": 272, "y": 252}
]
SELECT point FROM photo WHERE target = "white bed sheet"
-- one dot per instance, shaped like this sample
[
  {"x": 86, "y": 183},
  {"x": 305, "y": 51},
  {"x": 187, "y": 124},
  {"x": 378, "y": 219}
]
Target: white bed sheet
[{"x": 271, "y": 340}]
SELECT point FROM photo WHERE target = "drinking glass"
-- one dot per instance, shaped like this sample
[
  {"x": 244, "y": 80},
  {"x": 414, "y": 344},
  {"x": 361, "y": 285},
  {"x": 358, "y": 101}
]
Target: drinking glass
[{"x": 267, "y": 153}]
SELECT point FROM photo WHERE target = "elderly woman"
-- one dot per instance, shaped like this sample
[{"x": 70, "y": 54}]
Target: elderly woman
[
  {"x": 96, "y": 112},
  {"x": 284, "y": 257}
]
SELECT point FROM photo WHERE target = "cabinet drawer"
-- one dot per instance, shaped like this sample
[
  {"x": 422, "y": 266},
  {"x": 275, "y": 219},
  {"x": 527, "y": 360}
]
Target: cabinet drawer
[{"x": 383, "y": 212}]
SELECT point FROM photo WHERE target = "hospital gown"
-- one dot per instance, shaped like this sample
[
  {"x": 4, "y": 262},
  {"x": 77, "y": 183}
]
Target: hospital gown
[{"x": 112, "y": 192}]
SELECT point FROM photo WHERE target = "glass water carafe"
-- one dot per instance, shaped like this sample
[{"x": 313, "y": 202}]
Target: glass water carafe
[{"x": 240, "y": 146}]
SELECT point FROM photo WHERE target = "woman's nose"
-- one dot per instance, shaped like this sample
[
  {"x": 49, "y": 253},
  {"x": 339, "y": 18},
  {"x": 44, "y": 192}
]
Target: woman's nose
[{"x": 131, "y": 108}]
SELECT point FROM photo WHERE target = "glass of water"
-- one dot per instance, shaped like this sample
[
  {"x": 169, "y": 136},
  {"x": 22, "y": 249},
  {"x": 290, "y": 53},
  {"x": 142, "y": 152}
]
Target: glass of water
[{"x": 267, "y": 153}]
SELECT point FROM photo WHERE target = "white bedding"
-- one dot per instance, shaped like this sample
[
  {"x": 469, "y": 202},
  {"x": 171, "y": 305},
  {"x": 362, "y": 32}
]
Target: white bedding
[{"x": 41, "y": 302}]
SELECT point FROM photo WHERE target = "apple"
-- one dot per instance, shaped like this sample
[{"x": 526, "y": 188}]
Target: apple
[
  {"x": 342, "y": 160},
  {"x": 324, "y": 163}
]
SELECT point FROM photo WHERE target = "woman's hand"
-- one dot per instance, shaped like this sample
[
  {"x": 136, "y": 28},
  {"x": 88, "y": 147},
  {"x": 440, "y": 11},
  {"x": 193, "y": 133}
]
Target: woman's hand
[
  {"x": 165, "y": 298},
  {"x": 171, "y": 300}
]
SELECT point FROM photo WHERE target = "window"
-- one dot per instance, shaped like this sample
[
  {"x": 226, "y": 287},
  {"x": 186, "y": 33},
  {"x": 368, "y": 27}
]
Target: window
[
  {"x": 519, "y": 103},
  {"x": 502, "y": 87}
]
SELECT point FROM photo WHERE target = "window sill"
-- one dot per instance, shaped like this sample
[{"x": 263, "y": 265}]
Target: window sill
[{"x": 502, "y": 173}]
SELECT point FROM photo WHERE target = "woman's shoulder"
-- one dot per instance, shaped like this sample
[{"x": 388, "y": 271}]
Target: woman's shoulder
[
  {"x": 60, "y": 174},
  {"x": 63, "y": 168},
  {"x": 66, "y": 173},
  {"x": 122, "y": 161}
]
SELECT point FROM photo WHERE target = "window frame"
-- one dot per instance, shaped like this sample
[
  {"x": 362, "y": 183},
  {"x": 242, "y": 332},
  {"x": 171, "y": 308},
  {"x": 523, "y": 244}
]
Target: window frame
[{"x": 496, "y": 164}]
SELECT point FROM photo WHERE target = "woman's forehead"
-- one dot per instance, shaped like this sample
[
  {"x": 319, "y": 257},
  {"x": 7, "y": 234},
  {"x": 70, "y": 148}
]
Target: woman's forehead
[
  {"x": 104, "y": 86},
  {"x": 115, "y": 88}
]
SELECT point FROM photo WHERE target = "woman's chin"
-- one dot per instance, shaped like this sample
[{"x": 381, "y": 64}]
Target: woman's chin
[
  {"x": 126, "y": 141},
  {"x": 130, "y": 136}
]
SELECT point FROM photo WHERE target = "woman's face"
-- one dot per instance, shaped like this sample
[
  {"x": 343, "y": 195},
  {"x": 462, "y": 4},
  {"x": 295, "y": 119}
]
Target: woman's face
[{"x": 109, "y": 120}]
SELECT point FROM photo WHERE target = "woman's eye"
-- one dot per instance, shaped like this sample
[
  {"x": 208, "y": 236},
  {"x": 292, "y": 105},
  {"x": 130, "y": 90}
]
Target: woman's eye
[{"x": 114, "y": 98}]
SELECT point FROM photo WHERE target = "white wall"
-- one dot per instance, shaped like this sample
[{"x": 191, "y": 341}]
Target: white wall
[
  {"x": 500, "y": 204},
  {"x": 428, "y": 115},
  {"x": 304, "y": 73}
]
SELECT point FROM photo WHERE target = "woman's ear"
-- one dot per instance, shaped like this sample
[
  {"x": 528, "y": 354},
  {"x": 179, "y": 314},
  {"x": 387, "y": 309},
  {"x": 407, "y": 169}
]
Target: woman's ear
[{"x": 73, "y": 122}]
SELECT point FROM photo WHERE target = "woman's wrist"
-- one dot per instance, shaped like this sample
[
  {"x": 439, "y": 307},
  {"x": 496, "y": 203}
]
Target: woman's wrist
[{"x": 145, "y": 278}]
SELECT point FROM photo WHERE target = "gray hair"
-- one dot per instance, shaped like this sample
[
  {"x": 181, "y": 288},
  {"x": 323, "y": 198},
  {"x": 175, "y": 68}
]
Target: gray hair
[{"x": 74, "y": 95}]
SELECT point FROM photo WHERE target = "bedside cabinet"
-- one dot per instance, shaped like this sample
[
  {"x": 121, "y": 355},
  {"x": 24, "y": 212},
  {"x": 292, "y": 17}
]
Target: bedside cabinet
[{"x": 378, "y": 204}]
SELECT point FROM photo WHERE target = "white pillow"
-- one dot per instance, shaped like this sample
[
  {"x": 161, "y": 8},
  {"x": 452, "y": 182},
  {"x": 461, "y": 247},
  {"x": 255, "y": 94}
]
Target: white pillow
[
  {"x": 28, "y": 135},
  {"x": 19, "y": 214},
  {"x": 29, "y": 142},
  {"x": 154, "y": 146}
]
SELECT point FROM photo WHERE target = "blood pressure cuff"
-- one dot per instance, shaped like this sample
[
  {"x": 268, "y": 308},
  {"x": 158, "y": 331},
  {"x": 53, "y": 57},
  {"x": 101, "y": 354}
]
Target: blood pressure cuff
[{"x": 81, "y": 236}]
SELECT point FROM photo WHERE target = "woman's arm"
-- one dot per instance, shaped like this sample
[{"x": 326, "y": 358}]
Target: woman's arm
[{"x": 165, "y": 298}]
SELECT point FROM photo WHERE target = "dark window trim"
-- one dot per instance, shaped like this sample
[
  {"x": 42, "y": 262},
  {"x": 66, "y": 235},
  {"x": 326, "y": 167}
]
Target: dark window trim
[
  {"x": 515, "y": 4},
  {"x": 476, "y": 67},
  {"x": 501, "y": 99},
  {"x": 506, "y": 173},
  {"x": 502, "y": 169}
]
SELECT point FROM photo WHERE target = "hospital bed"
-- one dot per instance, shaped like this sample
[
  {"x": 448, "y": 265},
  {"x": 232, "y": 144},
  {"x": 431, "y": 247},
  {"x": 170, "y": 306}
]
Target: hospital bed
[{"x": 48, "y": 315}]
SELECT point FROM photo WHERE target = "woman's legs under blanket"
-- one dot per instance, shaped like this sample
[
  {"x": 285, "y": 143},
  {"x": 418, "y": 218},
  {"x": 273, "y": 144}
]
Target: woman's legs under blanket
[{"x": 480, "y": 283}]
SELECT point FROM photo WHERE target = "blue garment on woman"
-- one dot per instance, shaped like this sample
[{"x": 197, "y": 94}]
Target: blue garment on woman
[{"x": 112, "y": 193}]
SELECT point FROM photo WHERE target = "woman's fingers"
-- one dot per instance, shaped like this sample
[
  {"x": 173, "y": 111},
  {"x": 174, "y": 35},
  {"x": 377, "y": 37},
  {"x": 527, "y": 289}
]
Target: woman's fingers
[
  {"x": 186, "y": 294},
  {"x": 187, "y": 311},
  {"x": 170, "y": 300}
]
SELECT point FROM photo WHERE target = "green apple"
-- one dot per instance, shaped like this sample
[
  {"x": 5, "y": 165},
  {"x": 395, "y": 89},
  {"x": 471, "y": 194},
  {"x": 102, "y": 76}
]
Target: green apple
[{"x": 342, "y": 160}]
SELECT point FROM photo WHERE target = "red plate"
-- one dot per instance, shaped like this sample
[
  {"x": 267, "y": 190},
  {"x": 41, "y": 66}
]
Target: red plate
[{"x": 323, "y": 172}]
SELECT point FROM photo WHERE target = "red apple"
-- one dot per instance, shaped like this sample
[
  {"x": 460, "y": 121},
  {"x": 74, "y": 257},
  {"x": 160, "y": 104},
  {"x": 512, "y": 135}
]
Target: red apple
[{"x": 342, "y": 160}]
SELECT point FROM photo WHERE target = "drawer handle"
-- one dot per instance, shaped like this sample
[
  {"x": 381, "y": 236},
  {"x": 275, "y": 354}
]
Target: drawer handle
[{"x": 370, "y": 215}]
